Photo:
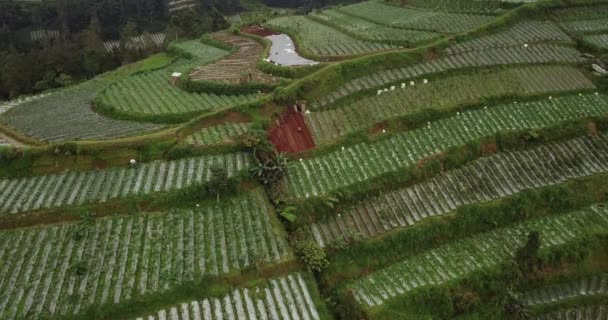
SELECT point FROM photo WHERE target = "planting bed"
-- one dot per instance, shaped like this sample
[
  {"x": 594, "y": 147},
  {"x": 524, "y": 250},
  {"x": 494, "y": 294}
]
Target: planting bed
[
  {"x": 60, "y": 270},
  {"x": 79, "y": 187},
  {"x": 415, "y": 18},
  {"x": 588, "y": 286},
  {"x": 464, "y": 257},
  {"x": 578, "y": 313},
  {"x": 484, "y": 180},
  {"x": 524, "y": 32},
  {"x": 370, "y": 31},
  {"x": 283, "y": 298},
  {"x": 586, "y": 26},
  {"x": 67, "y": 115},
  {"x": 323, "y": 40},
  {"x": 599, "y": 40},
  {"x": 220, "y": 134},
  {"x": 477, "y": 59},
  {"x": 152, "y": 94},
  {"x": 238, "y": 67},
  {"x": 459, "y": 5},
  {"x": 443, "y": 94},
  {"x": 365, "y": 161}
]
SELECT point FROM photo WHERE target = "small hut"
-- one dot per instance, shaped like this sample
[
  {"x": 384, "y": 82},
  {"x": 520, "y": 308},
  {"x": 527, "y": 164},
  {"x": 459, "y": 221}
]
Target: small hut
[
  {"x": 300, "y": 106},
  {"x": 175, "y": 78}
]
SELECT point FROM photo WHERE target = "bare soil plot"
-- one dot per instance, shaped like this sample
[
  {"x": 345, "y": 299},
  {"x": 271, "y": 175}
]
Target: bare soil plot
[
  {"x": 291, "y": 134},
  {"x": 239, "y": 67}
]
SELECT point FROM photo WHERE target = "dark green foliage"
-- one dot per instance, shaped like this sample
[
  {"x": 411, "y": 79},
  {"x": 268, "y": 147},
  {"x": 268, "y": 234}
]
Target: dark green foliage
[
  {"x": 527, "y": 256},
  {"x": 65, "y": 149},
  {"x": 224, "y": 88},
  {"x": 311, "y": 255},
  {"x": 270, "y": 167},
  {"x": 349, "y": 308},
  {"x": 513, "y": 306},
  {"x": 218, "y": 182}
]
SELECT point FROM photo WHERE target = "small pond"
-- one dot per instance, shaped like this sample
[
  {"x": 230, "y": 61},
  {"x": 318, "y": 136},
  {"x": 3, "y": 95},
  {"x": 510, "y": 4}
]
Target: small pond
[{"x": 283, "y": 51}]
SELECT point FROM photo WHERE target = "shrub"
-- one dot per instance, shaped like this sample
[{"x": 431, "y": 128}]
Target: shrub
[
  {"x": 313, "y": 256},
  {"x": 527, "y": 256}
]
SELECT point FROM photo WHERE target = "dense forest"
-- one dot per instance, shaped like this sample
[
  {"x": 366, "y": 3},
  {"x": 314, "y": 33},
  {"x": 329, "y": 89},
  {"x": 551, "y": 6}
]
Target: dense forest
[{"x": 54, "y": 43}]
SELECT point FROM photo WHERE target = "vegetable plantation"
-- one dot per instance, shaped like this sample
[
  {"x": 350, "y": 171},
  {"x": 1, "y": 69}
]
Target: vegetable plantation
[
  {"x": 80, "y": 187},
  {"x": 434, "y": 159},
  {"x": 474, "y": 59},
  {"x": 524, "y": 32},
  {"x": 238, "y": 67},
  {"x": 580, "y": 13},
  {"x": 599, "y": 40},
  {"x": 321, "y": 39},
  {"x": 588, "y": 286},
  {"x": 219, "y": 134},
  {"x": 151, "y": 93},
  {"x": 67, "y": 116},
  {"x": 458, "y": 5},
  {"x": 578, "y": 313},
  {"x": 462, "y": 258},
  {"x": 585, "y": 26},
  {"x": 415, "y": 18},
  {"x": 283, "y": 298},
  {"x": 60, "y": 270},
  {"x": 483, "y": 180},
  {"x": 365, "y": 161},
  {"x": 442, "y": 95},
  {"x": 364, "y": 29}
]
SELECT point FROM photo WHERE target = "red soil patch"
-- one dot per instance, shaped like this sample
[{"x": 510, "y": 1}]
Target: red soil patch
[
  {"x": 290, "y": 134},
  {"x": 258, "y": 31}
]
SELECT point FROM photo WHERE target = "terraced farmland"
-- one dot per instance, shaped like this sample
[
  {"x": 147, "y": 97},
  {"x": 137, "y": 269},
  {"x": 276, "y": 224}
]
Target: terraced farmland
[
  {"x": 7, "y": 105},
  {"x": 284, "y": 298},
  {"x": 323, "y": 40},
  {"x": 365, "y": 161},
  {"x": 443, "y": 94},
  {"x": 444, "y": 159},
  {"x": 577, "y": 313},
  {"x": 580, "y": 13},
  {"x": 586, "y": 26},
  {"x": 238, "y": 67},
  {"x": 599, "y": 40},
  {"x": 79, "y": 187},
  {"x": 457, "y": 5},
  {"x": 486, "y": 179},
  {"x": 458, "y": 259},
  {"x": 67, "y": 115},
  {"x": 364, "y": 29},
  {"x": 588, "y": 286},
  {"x": 415, "y": 18},
  {"x": 220, "y": 134},
  {"x": 492, "y": 57},
  {"x": 152, "y": 94},
  {"x": 524, "y": 32},
  {"x": 123, "y": 257}
]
